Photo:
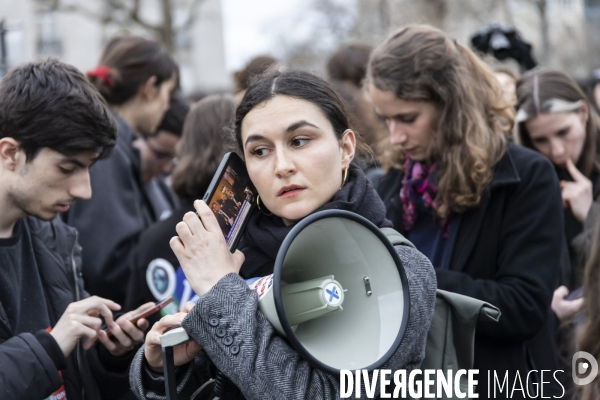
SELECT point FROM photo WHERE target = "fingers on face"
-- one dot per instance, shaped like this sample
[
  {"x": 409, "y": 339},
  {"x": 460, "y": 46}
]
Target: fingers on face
[{"x": 574, "y": 172}]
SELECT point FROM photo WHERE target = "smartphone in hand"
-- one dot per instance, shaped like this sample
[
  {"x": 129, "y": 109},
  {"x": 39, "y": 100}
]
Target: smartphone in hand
[
  {"x": 575, "y": 294},
  {"x": 231, "y": 197},
  {"x": 145, "y": 314}
]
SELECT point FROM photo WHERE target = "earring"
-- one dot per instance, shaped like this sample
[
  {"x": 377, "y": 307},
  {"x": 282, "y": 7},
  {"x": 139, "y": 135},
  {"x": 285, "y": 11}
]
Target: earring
[
  {"x": 260, "y": 209},
  {"x": 345, "y": 177}
]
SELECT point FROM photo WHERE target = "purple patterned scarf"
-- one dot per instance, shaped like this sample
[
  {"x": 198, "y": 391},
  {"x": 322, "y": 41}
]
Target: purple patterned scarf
[{"x": 419, "y": 189}]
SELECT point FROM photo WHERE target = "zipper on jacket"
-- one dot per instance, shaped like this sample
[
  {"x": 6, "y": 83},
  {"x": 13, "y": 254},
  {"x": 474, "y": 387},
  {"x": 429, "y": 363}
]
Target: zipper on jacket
[
  {"x": 77, "y": 298},
  {"x": 75, "y": 277}
]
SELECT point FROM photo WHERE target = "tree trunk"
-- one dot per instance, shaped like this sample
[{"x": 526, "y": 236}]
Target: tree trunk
[{"x": 542, "y": 8}]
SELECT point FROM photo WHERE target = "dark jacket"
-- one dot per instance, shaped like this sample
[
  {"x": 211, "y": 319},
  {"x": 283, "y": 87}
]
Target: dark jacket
[
  {"x": 508, "y": 252},
  {"x": 27, "y": 370},
  {"x": 154, "y": 251},
  {"x": 110, "y": 223},
  {"x": 580, "y": 236}
]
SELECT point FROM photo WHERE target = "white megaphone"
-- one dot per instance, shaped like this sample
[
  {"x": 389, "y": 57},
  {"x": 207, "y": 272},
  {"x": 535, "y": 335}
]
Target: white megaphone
[{"x": 338, "y": 292}]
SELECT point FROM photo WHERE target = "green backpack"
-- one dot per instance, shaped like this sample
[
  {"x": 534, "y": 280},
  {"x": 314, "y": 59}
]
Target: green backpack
[{"x": 451, "y": 337}]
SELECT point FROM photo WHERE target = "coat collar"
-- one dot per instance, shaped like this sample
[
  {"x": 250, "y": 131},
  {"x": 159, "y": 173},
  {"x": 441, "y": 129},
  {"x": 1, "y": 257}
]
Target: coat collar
[
  {"x": 505, "y": 174},
  {"x": 505, "y": 171}
]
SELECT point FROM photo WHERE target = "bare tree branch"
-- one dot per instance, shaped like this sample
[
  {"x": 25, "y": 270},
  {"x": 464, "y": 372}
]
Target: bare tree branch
[
  {"x": 134, "y": 14},
  {"x": 80, "y": 10},
  {"x": 192, "y": 16}
]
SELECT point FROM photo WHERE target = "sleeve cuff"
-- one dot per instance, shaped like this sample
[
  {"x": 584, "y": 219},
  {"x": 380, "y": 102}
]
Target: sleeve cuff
[{"x": 52, "y": 348}]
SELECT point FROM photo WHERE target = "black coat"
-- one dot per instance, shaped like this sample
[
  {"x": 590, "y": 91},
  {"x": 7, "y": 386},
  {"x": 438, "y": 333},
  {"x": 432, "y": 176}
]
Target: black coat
[
  {"x": 26, "y": 369},
  {"x": 154, "y": 249},
  {"x": 111, "y": 222},
  {"x": 508, "y": 252}
]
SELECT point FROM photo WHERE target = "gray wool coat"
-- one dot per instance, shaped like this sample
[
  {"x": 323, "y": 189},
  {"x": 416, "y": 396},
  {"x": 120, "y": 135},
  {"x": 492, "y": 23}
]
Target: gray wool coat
[{"x": 262, "y": 364}]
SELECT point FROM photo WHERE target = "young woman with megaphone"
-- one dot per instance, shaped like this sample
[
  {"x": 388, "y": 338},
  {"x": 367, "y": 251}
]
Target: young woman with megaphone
[{"x": 294, "y": 135}]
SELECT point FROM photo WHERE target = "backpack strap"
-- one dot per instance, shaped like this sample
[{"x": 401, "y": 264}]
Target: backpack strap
[{"x": 396, "y": 238}]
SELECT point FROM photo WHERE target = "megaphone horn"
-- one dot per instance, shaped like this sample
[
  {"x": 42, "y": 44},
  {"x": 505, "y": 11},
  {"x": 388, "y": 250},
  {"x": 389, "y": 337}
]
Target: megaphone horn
[{"x": 338, "y": 292}]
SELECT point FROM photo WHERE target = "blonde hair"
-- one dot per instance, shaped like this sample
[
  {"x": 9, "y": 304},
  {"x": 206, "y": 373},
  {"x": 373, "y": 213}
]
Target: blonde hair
[{"x": 421, "y": 63}]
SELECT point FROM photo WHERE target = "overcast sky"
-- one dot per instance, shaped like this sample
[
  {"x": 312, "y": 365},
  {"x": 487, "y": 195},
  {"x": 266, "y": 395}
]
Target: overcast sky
[{"x": 251, "y": 27}]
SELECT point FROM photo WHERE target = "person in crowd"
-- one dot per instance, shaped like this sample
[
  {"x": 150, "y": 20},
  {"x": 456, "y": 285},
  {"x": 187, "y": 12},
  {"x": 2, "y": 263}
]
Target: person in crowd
[
  {"x": 255, "y": 67},
  {"x": 508, "y": 82},
  {"x": 346, "y": 70},
  {"x": 589, "y": 331},
  {"x": 53, "y": 127},
  {"x": 225, "y": 220},
  {"x": 158, "y": 155},
  {"x": 155, "y": 273},
  {"x": 485, "y": 211},
  {"x": 507, "y": 72},
  {"x": 229, "y": 204},
  {"x": 292, "y": 129},
  {"x": 555, "y": 119},
  {"x": 136, "y": 78}
]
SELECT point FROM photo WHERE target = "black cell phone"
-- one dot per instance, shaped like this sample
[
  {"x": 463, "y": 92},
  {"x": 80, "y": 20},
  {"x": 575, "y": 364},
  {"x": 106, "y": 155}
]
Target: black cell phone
[
  {"x": 231, "y": 196},
  {"x": 575, "y": 294}
]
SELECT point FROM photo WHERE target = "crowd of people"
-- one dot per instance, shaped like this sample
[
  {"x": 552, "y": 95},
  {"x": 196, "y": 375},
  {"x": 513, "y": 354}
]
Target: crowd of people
[{"x": 494, "y": 177}]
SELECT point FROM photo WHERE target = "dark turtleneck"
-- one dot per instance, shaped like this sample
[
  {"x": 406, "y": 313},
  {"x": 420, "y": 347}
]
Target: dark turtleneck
[{"x": 264, "y": 234}]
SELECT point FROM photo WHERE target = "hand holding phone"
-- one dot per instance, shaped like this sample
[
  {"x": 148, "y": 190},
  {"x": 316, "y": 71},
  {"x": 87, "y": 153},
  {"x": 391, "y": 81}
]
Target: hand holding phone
[
  {"x": 575, "y": 294},
  {"x": 230, "y": 196},
  {"x": 145, "y": 314}
]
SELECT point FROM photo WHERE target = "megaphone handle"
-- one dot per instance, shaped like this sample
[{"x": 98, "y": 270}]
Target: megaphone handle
[
  {"x": 220, "y": 383},
  {"x": 169, "y": 373}
]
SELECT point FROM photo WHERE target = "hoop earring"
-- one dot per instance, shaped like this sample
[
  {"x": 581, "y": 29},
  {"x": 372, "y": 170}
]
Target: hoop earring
[
  {"x": 345, "y": 177},
  {"x": 260, "y": 209}
]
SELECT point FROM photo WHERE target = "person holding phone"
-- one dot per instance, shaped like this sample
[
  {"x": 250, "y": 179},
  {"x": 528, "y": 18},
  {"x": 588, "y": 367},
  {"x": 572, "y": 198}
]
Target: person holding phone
[
  {"x": 555, "y": 119},
  {"x": 485, "y": 211},
  {"x": 155, "y": 272},
  {"x": 136, "y": 77},
  {"x": 293, "y": 132},
  {"x": 53, "y": 127}
]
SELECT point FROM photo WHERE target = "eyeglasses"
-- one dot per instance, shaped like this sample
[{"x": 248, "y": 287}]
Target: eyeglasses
[{"x": 161, "y": 156}]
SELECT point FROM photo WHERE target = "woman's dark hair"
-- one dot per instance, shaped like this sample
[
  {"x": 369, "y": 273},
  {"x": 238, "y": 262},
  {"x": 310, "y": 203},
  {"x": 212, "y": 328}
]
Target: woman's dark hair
[
  {"x": 536, "y": 92},
  {"x": 132, "y": 60},
  {"x": 200, "y": 149},
  {"x": 349, "y": 62},
  {"x": 300, "y": 85},
  {"x": 51, "y": 104},
  {"x": 255, "y": 67},
  {"x": 174, "y": 118}
]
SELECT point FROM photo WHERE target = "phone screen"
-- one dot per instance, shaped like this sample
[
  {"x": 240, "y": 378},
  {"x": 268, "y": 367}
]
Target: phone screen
[{"x": 232, "y": 198}]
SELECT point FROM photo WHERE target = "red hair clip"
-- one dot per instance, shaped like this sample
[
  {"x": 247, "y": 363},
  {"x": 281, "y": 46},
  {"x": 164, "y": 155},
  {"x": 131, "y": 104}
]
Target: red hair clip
[{"x": 102, "y": 72}]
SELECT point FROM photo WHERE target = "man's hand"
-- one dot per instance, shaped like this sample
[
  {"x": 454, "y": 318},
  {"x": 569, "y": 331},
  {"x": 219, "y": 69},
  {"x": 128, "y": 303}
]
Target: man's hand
[
  {"x": 81, "y": 319},
  {"x": 577, "y": 194},
  {"x": 127, "y": 335},
  {"x": 182, "y": 354}
]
